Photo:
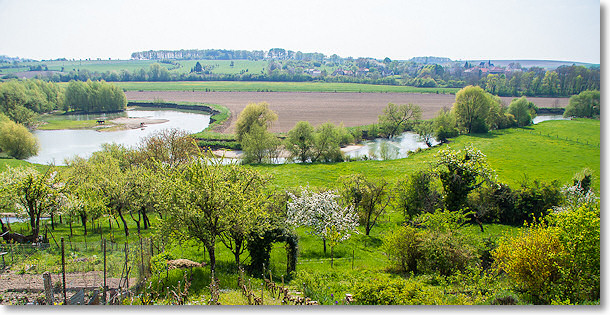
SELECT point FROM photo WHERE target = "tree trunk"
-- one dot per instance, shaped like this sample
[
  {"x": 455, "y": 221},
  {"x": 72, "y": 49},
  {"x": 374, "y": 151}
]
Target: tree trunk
[
  {"x": 83, "y": 220},
  {"x": 3, "y": 227},
  {"x": 52, "y": 222},
  {"x": 331, "y": 256},
  {"x": 145, "y": 219},
  {"x": 124, "y": 223},
  {"x": 212, "y": 253},
  {"x": 324, "y": 242}
]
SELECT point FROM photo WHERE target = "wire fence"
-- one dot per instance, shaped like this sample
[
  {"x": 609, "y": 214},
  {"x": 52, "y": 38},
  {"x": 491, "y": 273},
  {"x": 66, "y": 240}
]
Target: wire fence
[
  {"x": 558, "y": 137},
  {"x": 101, "y": 272}
]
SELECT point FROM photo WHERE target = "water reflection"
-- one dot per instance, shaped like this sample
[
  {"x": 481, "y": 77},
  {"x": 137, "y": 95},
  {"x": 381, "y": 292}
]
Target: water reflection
[
  {"x": 542, "y": 118},
  {"x": 390, "y": 149},
  {"x": 57, "y": 145}
]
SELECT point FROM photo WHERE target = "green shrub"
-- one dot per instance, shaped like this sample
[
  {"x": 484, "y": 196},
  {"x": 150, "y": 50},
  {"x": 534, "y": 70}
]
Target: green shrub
[
  {"x": 533, "y": 260},
  {"x": 444, "y": 253},
  {"x": 402, "y": 248},
  {"x": 383, "y": 290}
]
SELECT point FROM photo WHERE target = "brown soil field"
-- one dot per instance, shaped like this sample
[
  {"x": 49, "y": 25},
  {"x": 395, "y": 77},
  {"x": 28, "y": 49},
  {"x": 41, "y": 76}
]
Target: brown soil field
[{"x": 353, "y": 109}]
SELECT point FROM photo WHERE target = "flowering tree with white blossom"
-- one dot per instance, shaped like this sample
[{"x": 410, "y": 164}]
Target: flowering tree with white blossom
[{"x": 323, "y": 215}]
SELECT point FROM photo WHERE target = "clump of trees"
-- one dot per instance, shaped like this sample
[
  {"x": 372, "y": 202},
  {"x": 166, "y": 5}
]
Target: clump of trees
[
  {"x": 22, "y": 101},
  {"x": 93, "y": 97},
  {"x": 586, "y": 104}
]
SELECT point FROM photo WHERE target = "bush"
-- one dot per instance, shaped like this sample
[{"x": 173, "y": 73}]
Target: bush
[
  {"x": 556, "y": 260},
  {"x": 417, "y": 194},
  {"x": 444, "y": 253},
  {"x": 532, "y": 260},
  {"x": 534, "y": 201},
  {"x": 493, "y": 203},
  {"x": 402, "y": 248},
  {"x": 383, "y": 290}
]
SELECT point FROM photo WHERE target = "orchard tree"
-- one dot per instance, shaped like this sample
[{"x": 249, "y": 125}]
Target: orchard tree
[
  {"x": 323, "y": 215},
  {"x": 254, "y": 113},
  {"x": 31, "y": 192},
  {"x": 209, "y": 199},
  {"x": 16, "y": 140},
  {"x": 169, "y": 146},
  {"x": 369, "y": 198},
  {"x": 397, "y": 118}
]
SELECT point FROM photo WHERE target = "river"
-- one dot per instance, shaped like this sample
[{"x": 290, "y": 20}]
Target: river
[{"x": 57, "y": 145}]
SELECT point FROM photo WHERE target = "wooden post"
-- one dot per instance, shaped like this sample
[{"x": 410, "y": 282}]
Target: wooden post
[
  {"x": 126, "y": 260},
  {"x": 63, "y": 270},
  {"x": 48, "y": 288},
  {"x": 142, "y": 257},
  {"x": 105, "y": 286},
  {"x": 263, "y": 286}
]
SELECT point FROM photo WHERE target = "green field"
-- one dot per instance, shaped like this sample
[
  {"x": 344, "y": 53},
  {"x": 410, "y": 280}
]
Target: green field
[
  {"x": 243, "y": 86},
  {"x": 95, "y": 65}
]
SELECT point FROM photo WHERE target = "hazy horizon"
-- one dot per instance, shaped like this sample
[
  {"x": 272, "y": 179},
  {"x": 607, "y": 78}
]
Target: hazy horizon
[{"x": 562, "y": 30}]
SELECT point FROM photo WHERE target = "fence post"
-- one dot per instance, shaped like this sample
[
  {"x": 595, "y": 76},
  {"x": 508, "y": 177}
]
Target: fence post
[
  {"x": 63, "y": 270},
  {"x": 105, "y": 286},
  {"x": 48, "y": 288},
  {"x": 126, "y": 260},
  {"x": 141, "y": 257}
]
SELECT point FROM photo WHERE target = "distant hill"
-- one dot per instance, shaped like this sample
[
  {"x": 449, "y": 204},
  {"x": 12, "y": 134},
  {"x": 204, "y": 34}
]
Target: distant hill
[{"x": 546, "y": 64}]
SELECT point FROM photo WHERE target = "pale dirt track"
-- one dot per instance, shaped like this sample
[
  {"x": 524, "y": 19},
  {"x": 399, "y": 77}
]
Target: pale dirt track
[{"x": 353, "y": 109}]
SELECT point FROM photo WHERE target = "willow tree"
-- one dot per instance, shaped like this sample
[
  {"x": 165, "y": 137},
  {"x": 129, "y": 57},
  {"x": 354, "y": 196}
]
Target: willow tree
[{"x": 397, "y": 118}]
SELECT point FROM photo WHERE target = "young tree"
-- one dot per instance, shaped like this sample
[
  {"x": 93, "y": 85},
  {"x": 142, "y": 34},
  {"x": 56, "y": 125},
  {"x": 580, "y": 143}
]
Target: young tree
[
  {"x": 301, "y": 141},
  {"x": 259, "y": 145},
  {"x": 34, "y": 192},
  {"x": 17, "y": 141},
  {"x": 369, "y": 198},
  {"x": 445, "y": 126},
  {"x": 322, "y": 214},
  {"x": 254, "y": 113},
  {"x": 397, "y": 118},
  {"x": 523, "y": 110},
  {"x": 327, "y": 144}
]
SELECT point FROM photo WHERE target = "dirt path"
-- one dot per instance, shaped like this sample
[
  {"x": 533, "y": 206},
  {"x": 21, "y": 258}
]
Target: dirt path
[{"x": 353, "y": 109}]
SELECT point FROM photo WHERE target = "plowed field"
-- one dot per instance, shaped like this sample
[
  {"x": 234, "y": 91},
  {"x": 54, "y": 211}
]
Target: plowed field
[{"x": 353, "y": 109}]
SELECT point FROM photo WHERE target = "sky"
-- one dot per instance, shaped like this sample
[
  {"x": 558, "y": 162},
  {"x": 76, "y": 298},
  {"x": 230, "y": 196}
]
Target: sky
[{"x": 567, "y": 30}]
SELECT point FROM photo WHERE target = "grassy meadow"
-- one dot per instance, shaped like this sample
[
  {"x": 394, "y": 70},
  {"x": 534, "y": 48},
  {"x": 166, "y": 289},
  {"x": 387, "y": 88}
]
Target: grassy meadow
[{"x": 515, "y": 154}]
